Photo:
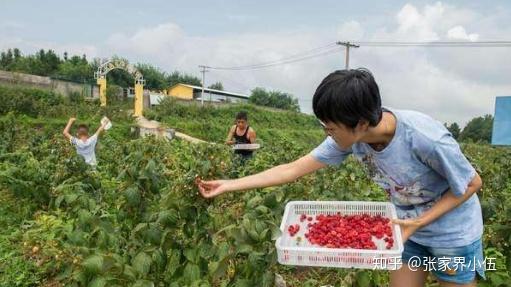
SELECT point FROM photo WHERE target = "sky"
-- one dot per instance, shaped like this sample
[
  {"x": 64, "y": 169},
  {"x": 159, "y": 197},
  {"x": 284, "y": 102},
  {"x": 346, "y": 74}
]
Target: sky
[{"x": 450, "y": 84}]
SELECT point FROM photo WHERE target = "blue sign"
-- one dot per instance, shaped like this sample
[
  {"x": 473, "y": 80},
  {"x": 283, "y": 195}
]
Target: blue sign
[{"x": 502, "y": 122}]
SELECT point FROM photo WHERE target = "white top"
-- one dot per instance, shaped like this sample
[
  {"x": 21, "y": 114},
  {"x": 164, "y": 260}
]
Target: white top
[{"x": 86, "y": 148}]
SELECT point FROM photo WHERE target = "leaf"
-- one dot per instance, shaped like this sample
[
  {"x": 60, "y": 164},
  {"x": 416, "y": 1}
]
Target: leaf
[
  {"x": 139, "y": 227},
  {"x": 191, "y": 255},
  {"x": 142, "y": 263},
  {"x": 191, "y": 273},
  {"x": 363, "y": 279},
  {"x": 243, "y": 283},
  {"x": 226, "y": 229},
  {"x": 159, "y": 259},
  {"x": 254, "y": 235},
  {"x": 268, "y": 279},
  {"x": 70, "y": 198},
  {"x": 102, "y": 239},
  {"x": 247, "y": 224},
  {"x": 275, "y": 232},
  {"x": 143, "y": 283},
  {"x": 270, "y": 200},
  {"x": 206, "y": 166},
  {"x": 218, "y": 268},
  {"x": 64, "y": 274},
  {"x": 168, "y": 217},
  {"x": 244, "y": 249},
  {"x": 206, "y": 251},
  {"x": 97, "y": 282},
  {"x": 173, "y": 258},
  {"x": 496, "y": 279},
  {"x": 150, "y": 167},
  {"x": 254, "y": 201},
  {"x": 132, "y": 195},
  {"x": 222, "y": 250},
  {"x": 260, "y": 226},
  {"x": 129, "y": 272},
  {"x": 84, "y": 216},
  {"x": 77, "y": 237},
  {"x": 262, "y": 235},
  {"x": 93, "y": 264},
  {"x": 262, "y": 209},
  {"x": 81, "y": 276},
  {"x": 59, "y": 200},
  {"x": 153, "y": 235}
]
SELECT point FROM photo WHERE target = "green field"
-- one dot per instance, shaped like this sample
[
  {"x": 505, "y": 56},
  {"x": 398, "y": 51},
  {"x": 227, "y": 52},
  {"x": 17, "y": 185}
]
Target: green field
[{"x": 138, "y": 219}]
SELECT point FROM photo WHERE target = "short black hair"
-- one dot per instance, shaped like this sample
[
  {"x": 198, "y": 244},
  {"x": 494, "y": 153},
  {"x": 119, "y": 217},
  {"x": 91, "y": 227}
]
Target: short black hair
[
  {"x": 348, "y": 96},
  {"x": 242, "y": 115}
]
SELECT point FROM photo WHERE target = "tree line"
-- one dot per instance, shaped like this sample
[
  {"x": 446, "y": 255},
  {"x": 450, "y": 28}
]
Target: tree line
[
  {"x": 77, "y": 68},
  {"x": 477, "y": 130}
]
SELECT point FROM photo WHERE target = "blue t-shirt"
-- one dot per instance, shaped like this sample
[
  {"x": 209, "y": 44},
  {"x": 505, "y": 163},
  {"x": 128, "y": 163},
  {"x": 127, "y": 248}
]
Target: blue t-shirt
[{"x": 421, "y": 162}]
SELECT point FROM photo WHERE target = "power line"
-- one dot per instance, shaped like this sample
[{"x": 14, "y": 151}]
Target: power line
[
  {"x": 332, "y": 48},
  {"x": 233, "y": 82},
  {"x": 489, "y": 44},
  {"x": 312, "y": 53},
  {"x": 282, "y": 62}
]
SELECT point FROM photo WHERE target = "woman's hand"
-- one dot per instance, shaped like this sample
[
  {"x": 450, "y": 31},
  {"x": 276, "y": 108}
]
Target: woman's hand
[
  {"x": 213, "y": 188},
  {"x": 278, "y": 175},
  {"x": 408, "y": 227}
]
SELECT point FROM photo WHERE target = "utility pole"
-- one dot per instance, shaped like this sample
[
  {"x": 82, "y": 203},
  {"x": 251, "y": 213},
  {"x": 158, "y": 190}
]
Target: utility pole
[
  {"x": 348, "y": 45},
  {"x": 203, "y": 71}
]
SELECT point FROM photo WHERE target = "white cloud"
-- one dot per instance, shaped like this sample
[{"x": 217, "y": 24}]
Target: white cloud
[
  {"x": 351, "y": 30},
  {"x": 459, "y": 33},
  {"x": 415, "y": 25},
  {"x": 155, "y": 40}
]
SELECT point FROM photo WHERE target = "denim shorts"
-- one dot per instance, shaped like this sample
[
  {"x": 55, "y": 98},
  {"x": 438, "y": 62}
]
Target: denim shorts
[{"x": 458, "y": 265}]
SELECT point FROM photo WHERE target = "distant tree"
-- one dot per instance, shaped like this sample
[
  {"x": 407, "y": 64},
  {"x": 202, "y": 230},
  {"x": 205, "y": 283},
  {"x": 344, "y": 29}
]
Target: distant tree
[
  {"x": 43, "y": 63},
  {"x": 478, "y": 129},
  {"x": 177, "y": 77},
  {"x": 48, "y": 62},
  {"x": 454, "y": 129},
  {"x": 76, "y": 69},
  {"x": 275, "y": 99},
  {"x": 120, "y": 78},
  {"x": 16, "y": 53},
  {"x": 217, "y": 86},
  {"x": 154, "y": 78},
  {"x": 6, "y": 59}
]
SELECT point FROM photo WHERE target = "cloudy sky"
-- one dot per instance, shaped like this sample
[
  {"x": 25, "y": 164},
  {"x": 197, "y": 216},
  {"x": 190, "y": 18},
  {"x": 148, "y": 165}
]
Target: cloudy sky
[{"x": 451, "y": 84}]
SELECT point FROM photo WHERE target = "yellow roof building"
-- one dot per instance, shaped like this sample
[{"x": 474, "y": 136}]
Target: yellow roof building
[{"x": 191, "y": 92}]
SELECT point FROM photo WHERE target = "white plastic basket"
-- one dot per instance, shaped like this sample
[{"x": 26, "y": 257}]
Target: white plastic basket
[
  {"x": 306, "y": 254},
  {"x": 246, "y": 146}
]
